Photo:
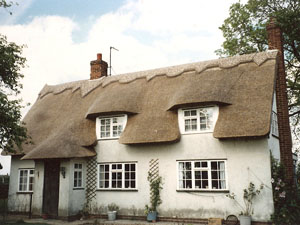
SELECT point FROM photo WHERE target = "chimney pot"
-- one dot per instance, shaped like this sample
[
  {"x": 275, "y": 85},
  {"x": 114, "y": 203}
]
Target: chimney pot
[{"x": 98, "y": 68}]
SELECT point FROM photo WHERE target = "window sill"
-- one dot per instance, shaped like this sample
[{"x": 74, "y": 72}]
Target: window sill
[
  {"x": 115, "y": 189},
  {"x": 78, "y": 188},
  {"x": 24, "y": 192},
  {"x": 203, "y": 191},
  {"x": 107, "y": 139},
  {"x": 198, "y": 132}
]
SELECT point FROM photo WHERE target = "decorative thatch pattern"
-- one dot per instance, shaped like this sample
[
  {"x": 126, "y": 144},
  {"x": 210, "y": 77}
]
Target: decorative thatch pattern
[{"x": 62, "y": 121}]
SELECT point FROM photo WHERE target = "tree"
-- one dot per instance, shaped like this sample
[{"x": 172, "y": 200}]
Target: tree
[
  {"x": 245, "y": 32},
  {"x": 12, "y": 131}
]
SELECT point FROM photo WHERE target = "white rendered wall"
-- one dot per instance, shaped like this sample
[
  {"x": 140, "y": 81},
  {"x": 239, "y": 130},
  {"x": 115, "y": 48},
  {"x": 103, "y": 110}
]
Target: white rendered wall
[
  {"x": 64, "y": 189},
  {"x": 18, "y": 201},
  {"x": 247, "y": 161}
]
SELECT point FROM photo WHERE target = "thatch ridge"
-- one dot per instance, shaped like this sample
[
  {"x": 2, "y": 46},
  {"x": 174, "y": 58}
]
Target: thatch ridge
[{"x": 87, "y": 86}]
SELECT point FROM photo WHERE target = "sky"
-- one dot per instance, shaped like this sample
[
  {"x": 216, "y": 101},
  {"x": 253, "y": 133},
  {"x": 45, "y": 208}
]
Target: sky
[{"x": 62, "y": 37}]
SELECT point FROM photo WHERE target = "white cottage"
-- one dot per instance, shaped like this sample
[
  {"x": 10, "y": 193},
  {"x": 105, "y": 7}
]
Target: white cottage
[{"x": 210, "y": 127}]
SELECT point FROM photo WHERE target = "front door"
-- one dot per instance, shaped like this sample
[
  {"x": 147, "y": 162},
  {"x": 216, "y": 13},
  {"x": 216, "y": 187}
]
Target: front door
[{"x": 51, "y": 188}]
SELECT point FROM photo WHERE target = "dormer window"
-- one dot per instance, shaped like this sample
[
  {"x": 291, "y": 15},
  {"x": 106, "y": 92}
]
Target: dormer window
[
  {"x": 111, "y": 127},
  {"x": 197, "y": 120}
]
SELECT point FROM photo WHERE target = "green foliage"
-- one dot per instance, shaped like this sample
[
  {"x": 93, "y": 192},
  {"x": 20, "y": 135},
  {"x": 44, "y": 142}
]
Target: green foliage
[
  {"x": 113, "y": 207},
  {"x": 12, "y": 131},
  {"x": 155, "y": 188},
  {"x": 286, "y": 198},
  {"x": 245, "y": 32},
  {"x": 249, "y": 194}
]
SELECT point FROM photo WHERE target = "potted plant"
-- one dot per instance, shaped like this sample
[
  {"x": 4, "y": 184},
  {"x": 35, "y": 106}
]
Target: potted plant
[
  {"x": 112, "y": 211},
  {"x": 248, "y": 196},
  {"x": 155, "y": 200}
]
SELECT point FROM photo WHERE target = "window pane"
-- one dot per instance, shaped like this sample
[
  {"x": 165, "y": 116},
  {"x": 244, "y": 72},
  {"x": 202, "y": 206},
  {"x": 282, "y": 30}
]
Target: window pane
[
  {"x": 205, "y": 184},
  {"x": 119, "y": 184},
  {"x": 214, "y": 166},
  {"x": 215, "y": 184},
  {"x": 214, "y": 175},
  {"x": 188, "y": 183},
  {"x": 132, "y": 184},
  {"x": 132, "y": 175},
  {"x": 101, "y": 184},
  {"x": 187, "y": 113}
]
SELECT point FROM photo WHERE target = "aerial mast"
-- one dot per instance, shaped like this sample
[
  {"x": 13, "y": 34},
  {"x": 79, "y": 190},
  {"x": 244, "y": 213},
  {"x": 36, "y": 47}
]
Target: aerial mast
[{"x": 110, "y": 58}]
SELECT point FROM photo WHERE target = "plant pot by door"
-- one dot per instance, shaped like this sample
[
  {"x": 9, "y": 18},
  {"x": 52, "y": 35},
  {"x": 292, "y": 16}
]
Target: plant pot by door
[
  {"x": 152, "y": 216},
  {"x": 245, "y": 220},
  {"x": 112, "y": 215}
]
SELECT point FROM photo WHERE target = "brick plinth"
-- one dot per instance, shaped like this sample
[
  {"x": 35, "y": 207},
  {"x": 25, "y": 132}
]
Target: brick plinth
[{"x": 275, "y": 41}]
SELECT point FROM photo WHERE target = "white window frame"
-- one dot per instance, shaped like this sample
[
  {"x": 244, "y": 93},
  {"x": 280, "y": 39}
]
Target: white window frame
[
  {"x": 274, "y": 126},
  {"x": 27, "y": 181},
  {"x": 78, "y": 171},
  {"x": 209, "y": 171},
  {"x": 214, "y": 112},
  {"x": 123, "y": 122},
  {"x": 122, "y": 170}
]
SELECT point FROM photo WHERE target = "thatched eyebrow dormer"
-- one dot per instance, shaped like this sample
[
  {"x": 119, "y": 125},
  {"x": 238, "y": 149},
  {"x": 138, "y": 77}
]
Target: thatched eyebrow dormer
[{"x": 62, "y": 121}]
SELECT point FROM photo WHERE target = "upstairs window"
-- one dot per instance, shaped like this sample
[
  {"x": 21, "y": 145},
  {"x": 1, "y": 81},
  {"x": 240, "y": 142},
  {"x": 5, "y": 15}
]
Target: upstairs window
[
  {"x": 274, "y": 126},
  {"x": 26, "y": 180},
  {"x": 197, "y": 120},
  {"x": 111, "y": 127}
]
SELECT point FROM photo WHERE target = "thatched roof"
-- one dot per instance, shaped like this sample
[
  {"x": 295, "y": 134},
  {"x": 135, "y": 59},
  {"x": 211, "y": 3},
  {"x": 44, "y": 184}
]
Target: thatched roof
[{"x": 62, "y": 121}]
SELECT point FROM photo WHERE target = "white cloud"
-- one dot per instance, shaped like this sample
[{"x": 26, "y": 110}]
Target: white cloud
[{"x": 148, "y": 33}]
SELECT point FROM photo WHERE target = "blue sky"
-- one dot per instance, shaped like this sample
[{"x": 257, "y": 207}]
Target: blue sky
[
  {"x": 83, "y": 12},
  {"x": 62, "y": 37}
]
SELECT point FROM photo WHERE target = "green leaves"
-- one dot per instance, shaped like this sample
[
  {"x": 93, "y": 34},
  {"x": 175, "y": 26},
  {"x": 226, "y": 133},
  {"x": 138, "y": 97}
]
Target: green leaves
[
  {"x": 12, "y": 131},
  {"x": 155, "y": 188},
  {"x": 11, "y": 62}
]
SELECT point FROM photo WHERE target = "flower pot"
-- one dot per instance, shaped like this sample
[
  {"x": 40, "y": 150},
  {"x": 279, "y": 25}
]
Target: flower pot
[
  {"x": 112, "y": 215},
  {"x": 152, "y": 216},
  {"x": 245, "y": 220}
]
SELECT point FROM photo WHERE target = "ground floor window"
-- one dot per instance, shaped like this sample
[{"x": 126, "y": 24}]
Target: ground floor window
[
  {"x": 26, "y": 180},
  {"x": 202, "y": 175},
  {"x": 117, "y": 175},
  {"x": 77, "y": 175}
]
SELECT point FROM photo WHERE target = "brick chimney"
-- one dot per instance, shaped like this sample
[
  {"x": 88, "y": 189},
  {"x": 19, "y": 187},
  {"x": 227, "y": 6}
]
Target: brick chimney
[
  {"x": 275, "y": 41},
  {"x": 98, "y": 67}
]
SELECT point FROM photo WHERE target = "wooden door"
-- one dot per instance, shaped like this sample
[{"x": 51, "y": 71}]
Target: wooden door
[{"x": 51, "y": 188}]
